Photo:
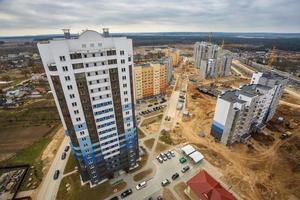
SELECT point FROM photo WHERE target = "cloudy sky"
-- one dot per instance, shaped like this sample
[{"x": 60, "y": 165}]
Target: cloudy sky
[{"x": 28, "y": 17}]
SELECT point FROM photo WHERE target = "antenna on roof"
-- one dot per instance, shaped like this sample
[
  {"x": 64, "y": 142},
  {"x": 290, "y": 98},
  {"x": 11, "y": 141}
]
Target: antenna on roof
[{"x": 67, "y": 34}]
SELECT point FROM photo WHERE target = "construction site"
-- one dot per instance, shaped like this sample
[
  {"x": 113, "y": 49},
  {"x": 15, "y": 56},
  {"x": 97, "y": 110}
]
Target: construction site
[{"x": 267, "y": 166}]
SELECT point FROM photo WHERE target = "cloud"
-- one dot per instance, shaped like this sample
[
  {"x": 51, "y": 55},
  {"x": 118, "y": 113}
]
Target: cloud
[{"x": 21, "y": 17}]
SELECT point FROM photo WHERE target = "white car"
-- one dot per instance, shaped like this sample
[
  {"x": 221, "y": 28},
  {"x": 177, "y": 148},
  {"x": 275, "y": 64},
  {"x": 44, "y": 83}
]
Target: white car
[{"x": 141, "y": 185}]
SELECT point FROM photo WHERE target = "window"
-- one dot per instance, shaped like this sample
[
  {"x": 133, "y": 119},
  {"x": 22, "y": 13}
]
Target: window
[
  {"x": 113, "y": 61},
  {"x": 111, "y": 52},
  {"x": 124, "y": 85},
  {"x": 80, "y": 126},
  {"x": 88, "y": 74},
  {"x": 67, "y": 78},
  {"x": 122, "y": 52},
  {"x": 62, "y": 58},
  {"x": 122, "y": 61},
  {"x": 123, "y": 69},
  {"x": 83, "y": 45},
  {"x": 76, "y": 112},
  {"x": 123, "y": 77},
  {"x": 81, "y": 132},
  {"x": 127, "y": 112},
  {"x": 75, "y": 56},
  {"x": 125, "y": 92},
  {"x": 129, "y": 59},
  {"x": 70, "y": 87},
  {"x": 74, "y": 104},
  {"x": 77, "y": 66},
  {"x": 126, "y": 99},
  {"x": 65, "y": 68},
  {"x": 78, "y": 119},
  {"x": 93, "y": 55},
  {"x": 72, "y": 96}
]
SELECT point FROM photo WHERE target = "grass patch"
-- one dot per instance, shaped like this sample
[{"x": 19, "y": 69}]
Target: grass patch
[
  {"x": 78, "y": 192},
  {"x": 141, "y": 163},
  {"x": 151, "y": 120},
  {"x": 70, "y": 166},
  {"x": 165, "y": 137},
  {"x": 142, "y": 175},
  {"x": 179, "y": 189},
  {"x": 32, "y": 156},
  {"x": 141, "y": 134},
  {"x": 149, "y": 143},
  {"x": 161, "y": 147}
]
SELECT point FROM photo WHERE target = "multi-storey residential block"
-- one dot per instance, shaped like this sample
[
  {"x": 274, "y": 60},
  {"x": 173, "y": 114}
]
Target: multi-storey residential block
[
  {"x": 211, "y": 60},
  {"x": 247, "y": 109},
  {"x": 167, "y": 61},
  {"x": 150, "y": 79},
  {"x": 174, "y": 54},
  {"x": 91, "y": 79}
]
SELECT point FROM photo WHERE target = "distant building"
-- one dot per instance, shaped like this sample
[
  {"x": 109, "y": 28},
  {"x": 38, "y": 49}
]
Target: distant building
[
  {"x": 91, "y": 78},
  {"x": 245, "y": 110},
  {"x": 174, "y": 54},
  {"x": 204, "y": 187},
  {"x": 167, "y": 61},
  {"x": 150, "y": 79},
  {"x": 211, "y": 60}
]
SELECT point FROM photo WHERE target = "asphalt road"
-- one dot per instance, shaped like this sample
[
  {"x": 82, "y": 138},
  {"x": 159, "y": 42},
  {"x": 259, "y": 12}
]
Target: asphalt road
[{"x": 49, "y": 187}]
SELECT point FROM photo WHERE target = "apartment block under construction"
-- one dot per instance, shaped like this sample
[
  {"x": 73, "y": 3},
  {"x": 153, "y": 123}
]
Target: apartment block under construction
[
  {"x": 242, "y": 111},
  {"x": 150, "y": 79},
  {"x": 212, "y": 60}
]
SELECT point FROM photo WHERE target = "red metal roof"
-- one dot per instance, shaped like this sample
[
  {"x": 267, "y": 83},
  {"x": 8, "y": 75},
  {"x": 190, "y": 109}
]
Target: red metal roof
[{"x": 207, "y": 188}]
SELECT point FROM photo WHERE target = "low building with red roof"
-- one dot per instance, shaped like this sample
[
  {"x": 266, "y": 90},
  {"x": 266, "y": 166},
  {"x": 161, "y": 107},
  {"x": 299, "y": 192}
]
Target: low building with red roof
[{"x": 204, "y": 187}]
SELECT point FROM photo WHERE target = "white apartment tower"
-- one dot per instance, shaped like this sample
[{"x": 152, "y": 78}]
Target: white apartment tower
[
  {"x": 211, "y": 60},
  {"x": 245, "y": 110},
  {"x": 91, "y": 79}
]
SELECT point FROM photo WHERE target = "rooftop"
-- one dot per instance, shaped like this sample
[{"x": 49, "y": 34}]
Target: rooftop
[{"x": 207, "y": 188}]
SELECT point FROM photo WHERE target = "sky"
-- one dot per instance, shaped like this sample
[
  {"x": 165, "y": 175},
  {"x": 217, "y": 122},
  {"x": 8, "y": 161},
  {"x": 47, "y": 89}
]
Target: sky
[{"x": 32, "y": 17}]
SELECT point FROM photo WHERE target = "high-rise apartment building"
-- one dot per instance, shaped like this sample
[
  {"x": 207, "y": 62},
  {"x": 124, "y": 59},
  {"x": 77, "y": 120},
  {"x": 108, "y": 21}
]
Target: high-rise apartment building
[
  {"x": 174, "y": 54},
  {"x": 245, "y": 110},
  {"x": 211, "y": 60},
  {"x": 91, "y": 79},
  {"x": 167, "y": 61},
  {"x": 150, "y": 79}
]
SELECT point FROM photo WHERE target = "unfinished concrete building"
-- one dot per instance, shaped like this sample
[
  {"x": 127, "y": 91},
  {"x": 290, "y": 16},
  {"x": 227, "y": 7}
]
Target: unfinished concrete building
[{"x": 243, "y": 111}]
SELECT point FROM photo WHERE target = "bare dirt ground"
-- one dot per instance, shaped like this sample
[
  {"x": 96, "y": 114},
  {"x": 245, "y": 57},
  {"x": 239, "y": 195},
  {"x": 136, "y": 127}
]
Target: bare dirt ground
[
  {"x": 15, "y": 139},
  {"x": 266, "y": 167},
  {"x": 167, "y": 194},
  {"x": 151, "y": 125},
  {"x": 51, "y": 149}
]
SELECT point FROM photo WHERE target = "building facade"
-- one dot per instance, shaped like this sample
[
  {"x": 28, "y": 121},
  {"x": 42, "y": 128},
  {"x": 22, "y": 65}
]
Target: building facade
[
  {"x": 174, "y": 54},
  {"x": 167, "y": 61},
  {"x": 150, "y": 79},
  {"x": 246, "y": 110},
  {"x": 91, "y": 79},
  {"x": 211, "y": 60}
]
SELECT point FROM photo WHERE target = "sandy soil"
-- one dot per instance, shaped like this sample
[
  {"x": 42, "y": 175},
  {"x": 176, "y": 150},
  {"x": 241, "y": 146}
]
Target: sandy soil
[
  {"x": 266, "y": 167},
  {"x": 50, "y": 151},
  {"x": 151, "y": 125}
]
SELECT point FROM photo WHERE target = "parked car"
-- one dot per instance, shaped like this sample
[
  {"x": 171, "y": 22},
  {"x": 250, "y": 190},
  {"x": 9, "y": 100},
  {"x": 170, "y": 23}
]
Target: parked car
[
  {"x": 126, "y": 193},
  {"x": 67, "y": 148},
  {"x": 63, "y": 155},
  {"x": 149, "y": 105},
  {"x": 164, "y": 157},
  {"x": 159, "y": 159},
  {"x": 159, "y": 198},
  {"x": 175, "y": 176},
  {"x": 141, "y": 185},
  {"x": 182, "y": 160},
  {"x": 165, "y": 182},
  {"x": 169, "y": 155},
  {"x": 56, "y": 174},
  {"x": 115, "y": 198},
  {"x": 185, "y": 168},
  {"x": 172, "y": 153}
]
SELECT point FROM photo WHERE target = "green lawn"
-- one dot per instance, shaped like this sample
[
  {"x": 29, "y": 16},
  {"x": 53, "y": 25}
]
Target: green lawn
[
  {"x": 141, "y": 134},
  {"x": 32, "y": 156},
  {"x": 78, "y": 192},
  {"x": 70, "y": 166}
]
